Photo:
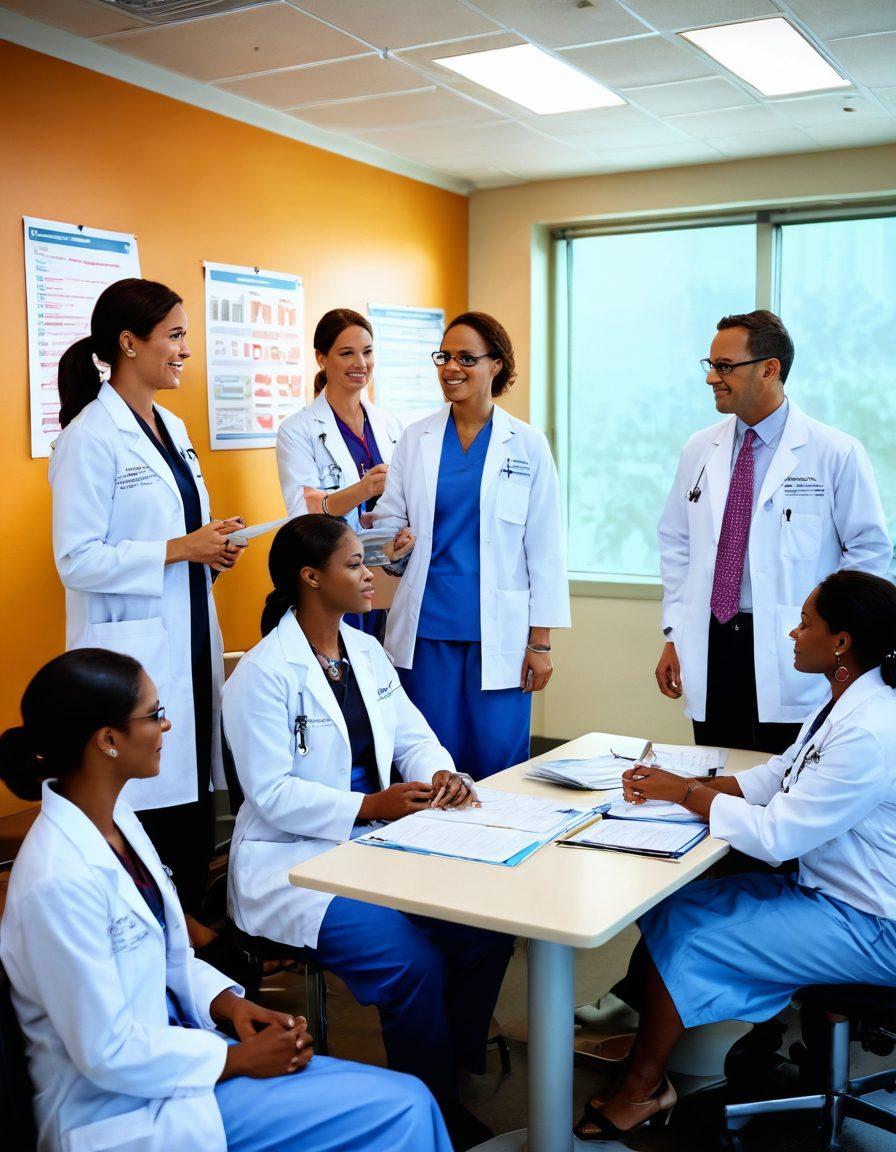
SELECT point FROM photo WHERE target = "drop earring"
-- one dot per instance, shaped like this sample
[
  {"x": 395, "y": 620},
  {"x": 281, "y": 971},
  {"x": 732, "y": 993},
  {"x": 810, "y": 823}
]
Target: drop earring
[{"x": 841, "y": 674}]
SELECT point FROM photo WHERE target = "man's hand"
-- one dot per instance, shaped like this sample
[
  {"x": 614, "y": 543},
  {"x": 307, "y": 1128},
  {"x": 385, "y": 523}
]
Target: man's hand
[{"x": 668, "y": 672}]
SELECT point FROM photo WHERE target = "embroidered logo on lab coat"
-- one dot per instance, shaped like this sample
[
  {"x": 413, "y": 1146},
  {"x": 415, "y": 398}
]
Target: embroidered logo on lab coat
[
  {"x": 390, "y": 690},
  {"x": 126, "y": 933},
  {"x": 803, "y": 486},
  {"x": 136, "y": 476}
]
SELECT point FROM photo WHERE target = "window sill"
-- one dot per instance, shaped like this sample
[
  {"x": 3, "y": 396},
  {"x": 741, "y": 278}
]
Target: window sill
[{"x": 633, "y": 588}]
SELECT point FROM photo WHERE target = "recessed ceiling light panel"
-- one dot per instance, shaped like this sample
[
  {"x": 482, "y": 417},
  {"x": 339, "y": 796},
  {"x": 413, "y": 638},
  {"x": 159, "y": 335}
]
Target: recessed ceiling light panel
[
  {"x": 771, "y": 55},
  {"x": 533, "y": 79}
]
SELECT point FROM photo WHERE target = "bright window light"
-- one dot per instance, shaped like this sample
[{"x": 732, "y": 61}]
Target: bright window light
[
  {"x": 770, "y": 55},
  {"x": 532, "y": 78}
]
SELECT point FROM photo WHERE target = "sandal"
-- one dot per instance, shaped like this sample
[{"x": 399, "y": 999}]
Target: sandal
[
  {"x": 663, "y": 1096},
  {"x": 612, "y": 1049}
]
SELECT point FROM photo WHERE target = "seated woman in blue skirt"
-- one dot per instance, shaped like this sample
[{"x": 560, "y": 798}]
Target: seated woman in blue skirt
[
  {"x": 119, "y": 1016},
  {"x": 739, "y": 947}
]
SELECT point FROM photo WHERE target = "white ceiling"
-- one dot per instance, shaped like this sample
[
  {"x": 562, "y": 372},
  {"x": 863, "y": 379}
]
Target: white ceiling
[{"x": 364, "y": 70}]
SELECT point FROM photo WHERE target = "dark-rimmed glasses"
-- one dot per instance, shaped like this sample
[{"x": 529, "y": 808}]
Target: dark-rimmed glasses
[
  {"x": 725, "y": 368},
  {"x": 462, "y": 359},
  {"x": 158, "y": 715}
]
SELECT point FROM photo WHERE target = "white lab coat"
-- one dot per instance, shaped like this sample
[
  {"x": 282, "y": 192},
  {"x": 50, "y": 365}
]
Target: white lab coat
[
  {"x": 298, "y": 806},
  {"x": 115, "y": 506},
  {"x": 839, "y": 815},
  {"x": 311, "y": 452},
  {"x": 523, "y": 580},
  {"x": 818, "y": 510},
  {"x": 89, "y": 964}
]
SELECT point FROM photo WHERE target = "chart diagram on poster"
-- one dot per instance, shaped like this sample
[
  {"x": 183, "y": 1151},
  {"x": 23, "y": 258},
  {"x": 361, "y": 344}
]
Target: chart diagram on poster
[
  {"x": 66, "y": 267},
  {"x": 254, "y": 353},
  {"x": 406, "y": 380}
]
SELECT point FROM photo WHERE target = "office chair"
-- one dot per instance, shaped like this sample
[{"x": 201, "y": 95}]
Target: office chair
[{"x": 871, "y": 1011}]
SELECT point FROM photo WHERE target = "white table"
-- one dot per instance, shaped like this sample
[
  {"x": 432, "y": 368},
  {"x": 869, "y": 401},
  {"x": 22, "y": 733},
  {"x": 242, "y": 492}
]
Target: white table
[{"x": 560, "y": 899}]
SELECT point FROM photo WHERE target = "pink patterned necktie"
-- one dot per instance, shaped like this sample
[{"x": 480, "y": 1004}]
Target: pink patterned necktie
[{"x": 732, "y": 549}]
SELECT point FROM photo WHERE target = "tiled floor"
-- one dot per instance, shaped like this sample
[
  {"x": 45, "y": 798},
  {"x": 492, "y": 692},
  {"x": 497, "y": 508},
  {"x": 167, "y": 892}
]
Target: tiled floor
[{"x": 501, "y": 1101}]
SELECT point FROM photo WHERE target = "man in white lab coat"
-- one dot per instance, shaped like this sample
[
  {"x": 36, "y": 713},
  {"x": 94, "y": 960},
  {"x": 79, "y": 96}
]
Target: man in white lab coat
[{"x": 764, "y": 505}]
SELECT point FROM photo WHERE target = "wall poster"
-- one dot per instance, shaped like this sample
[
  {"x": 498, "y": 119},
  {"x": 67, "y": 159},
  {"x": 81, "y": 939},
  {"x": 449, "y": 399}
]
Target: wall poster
[{"x": 406, "y": 380}]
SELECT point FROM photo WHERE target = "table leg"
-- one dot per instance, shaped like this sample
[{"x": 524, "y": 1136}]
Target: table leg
[{"x": 550, "y": 1047}]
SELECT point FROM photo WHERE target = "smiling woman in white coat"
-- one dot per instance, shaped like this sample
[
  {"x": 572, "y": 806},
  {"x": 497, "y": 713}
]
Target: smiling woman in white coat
[
  {"x": 135, "y": 547},
  {"x": 120, "y": 1018},
  {"x": 320, "y": 726},
  {"x": 333, "y": 457},
  {"x": 471, "y": 621},
  {"x": 739, "y": 947}
]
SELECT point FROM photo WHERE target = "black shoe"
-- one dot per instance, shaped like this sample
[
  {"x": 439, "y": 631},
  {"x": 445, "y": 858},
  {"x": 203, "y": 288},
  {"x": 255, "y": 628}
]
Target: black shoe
[{"x": 465, "y": 1129}]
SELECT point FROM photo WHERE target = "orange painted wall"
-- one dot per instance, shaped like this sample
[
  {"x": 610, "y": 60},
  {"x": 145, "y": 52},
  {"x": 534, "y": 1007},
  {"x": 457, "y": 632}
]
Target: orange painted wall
[{"x": 78, "y": 147}]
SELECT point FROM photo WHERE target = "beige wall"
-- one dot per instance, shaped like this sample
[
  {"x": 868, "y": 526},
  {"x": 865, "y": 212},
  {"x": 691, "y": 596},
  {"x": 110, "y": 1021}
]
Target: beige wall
[{"x": 604, "y": 667}]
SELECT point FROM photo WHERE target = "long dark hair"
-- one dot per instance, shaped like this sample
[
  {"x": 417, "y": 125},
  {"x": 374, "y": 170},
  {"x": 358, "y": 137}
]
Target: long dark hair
[
  {"x": 864, "y": 606},
  {"x": 126, "y": 306},
  {"x": 68, "y": 700},
  {"x": 306, "y": 541},
  {"x": 329, "y": 328}
]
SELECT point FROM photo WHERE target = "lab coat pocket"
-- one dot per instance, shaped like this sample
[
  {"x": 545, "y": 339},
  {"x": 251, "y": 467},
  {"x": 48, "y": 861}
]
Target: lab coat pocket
[
  {"x": 513, "y": 621},
  {"x": 144, "y": 640},
  {"x": 513, "y": 502},
  {"x": 131, "y": 1130},
  {"x": 801, "y": 536}
]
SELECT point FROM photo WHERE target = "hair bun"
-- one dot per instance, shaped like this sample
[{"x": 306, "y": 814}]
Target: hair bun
[{"x": 21, "y": 768}]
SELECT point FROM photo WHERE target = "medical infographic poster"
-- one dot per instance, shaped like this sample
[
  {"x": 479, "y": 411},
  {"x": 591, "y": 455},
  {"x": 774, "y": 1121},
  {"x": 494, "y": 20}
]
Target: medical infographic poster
[
  {"x": 66, "y": 267},
  {"x": 405, "y": 378},
  {"x": 253, "y": 332}
]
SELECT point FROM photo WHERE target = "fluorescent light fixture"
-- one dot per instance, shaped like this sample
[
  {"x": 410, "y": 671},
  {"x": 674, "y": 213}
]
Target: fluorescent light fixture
[
  {"x": 771, "y": 55},
  {"x": 532, "y": 78}
]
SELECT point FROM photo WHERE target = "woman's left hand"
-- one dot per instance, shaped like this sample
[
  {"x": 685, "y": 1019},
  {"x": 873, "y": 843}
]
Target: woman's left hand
[
  {"x": 398, "y": 548},
  {"x": 536, "y": 671},
  {"x": 232, "y": 551},
  {"x": 647, "y": 782},
  {"x": 451, "y": 791},
  {"x": 247, "y": 1017}
]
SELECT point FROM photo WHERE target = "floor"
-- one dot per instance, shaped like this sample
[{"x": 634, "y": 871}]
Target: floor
[{"x": 501, "y": 1101}]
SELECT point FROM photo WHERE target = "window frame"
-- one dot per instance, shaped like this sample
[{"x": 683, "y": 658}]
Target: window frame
[{"x": 769, "y": 222}]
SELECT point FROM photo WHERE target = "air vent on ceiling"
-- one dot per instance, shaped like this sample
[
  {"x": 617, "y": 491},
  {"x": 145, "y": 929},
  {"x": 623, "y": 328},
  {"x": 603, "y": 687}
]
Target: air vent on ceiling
[{"x": 167, "y": 11}]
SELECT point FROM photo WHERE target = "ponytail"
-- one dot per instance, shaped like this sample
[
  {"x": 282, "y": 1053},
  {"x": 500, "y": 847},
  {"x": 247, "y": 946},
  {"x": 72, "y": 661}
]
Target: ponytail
[
  {"x": 131, "y": 305},
  {"x": 305, "y": 542},
  {"x": 21, "y": 767},
  {"x": 320, "y": 382}
]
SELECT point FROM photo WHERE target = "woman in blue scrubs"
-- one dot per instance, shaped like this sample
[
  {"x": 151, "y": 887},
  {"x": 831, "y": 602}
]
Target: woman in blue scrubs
[
  {"x": 120, "y": 1018},
  {"x": 739, "y": 947},
  {"x": 471, "y": 622}
]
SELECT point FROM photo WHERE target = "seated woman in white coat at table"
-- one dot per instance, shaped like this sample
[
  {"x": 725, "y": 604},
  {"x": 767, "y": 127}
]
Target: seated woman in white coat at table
[
  {"x": 320, "y": 725},
  {"x": 829, "y": 801},
  {"x": 118, "y": 1014}
]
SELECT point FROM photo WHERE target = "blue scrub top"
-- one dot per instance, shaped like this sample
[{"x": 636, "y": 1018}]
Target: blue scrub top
[
  {"x": 450, "y": 608},
  {"x": 364, "y": 451}
]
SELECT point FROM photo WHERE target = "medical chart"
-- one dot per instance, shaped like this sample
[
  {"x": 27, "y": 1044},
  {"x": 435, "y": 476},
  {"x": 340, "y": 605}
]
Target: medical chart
[
  {"x": 405, "y": 380},
  {"x": 254, "y": 353},
  {"x": 66, "y": 267}
]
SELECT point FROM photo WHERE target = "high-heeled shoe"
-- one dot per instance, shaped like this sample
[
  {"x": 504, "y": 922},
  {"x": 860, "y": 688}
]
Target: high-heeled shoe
[{"x": 662, "y": 1100}]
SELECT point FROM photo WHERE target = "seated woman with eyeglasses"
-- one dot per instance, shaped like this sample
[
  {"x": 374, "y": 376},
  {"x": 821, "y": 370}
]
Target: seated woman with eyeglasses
[
  {"x": 316, "y": 718},
  {"x": 119, "y": 1016},
  {"x": 739, "y": 947}
]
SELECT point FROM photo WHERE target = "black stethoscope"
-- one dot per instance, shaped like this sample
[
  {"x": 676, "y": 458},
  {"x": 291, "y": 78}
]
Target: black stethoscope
[{"x": 300, "y": 728}]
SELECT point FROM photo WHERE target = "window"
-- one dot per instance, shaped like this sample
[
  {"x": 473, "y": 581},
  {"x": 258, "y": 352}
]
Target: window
[{"x": 641, "y": 308}]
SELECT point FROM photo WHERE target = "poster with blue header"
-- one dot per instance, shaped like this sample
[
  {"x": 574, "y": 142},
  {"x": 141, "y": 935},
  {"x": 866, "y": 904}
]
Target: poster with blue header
[{"x": 66, "y": 267}]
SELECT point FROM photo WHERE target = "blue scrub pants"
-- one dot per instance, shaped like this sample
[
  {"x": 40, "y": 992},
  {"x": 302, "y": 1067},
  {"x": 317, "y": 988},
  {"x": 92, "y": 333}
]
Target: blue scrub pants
[
  {"x": 434, "y": 984},
  {"x": 485, "y": 731},
  {"x": 331, "y": 1106}
]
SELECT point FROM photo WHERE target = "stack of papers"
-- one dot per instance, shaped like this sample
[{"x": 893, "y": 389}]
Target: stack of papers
[
  {"x": 602, "y": 772},
  {"x": 506, "y": 829},
  {"x": 663, "y": 810},
  {"x": 661, "y": 841}
]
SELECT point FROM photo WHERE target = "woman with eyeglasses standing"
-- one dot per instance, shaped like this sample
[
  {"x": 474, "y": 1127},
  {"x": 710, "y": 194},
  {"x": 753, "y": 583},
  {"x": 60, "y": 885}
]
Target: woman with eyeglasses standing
[
  {"x": 334, "y": 455},
  {"x": 470, "y": 625},
  {"x": 137, "y": 550}
]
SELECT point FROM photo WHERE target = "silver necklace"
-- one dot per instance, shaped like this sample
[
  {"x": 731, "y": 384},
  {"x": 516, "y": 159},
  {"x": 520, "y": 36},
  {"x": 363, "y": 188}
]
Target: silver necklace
[{"x": 333, "y": 668}]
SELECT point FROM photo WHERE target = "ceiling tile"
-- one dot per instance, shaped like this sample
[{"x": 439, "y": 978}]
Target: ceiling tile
[
  {"x": 854, "y": 134},
  {"x": 559, "y": 23},
  {"x": 360, "y": 76},
  {"x": 386, "y": 24},
  {"x": 254, "y": 40},
  {"x": 827, "y": 108},
  {"x": 728, "y": 122},
  {"x": 662, "y": 156},
  {"x": 870, "y": 59},
  {"x": 423, "y": 59},
  {"x": 607, "y": 128},
  {"x": 535, "y": 167},
  {"x": 404, "y": 110},
  {"x": 466, "y": 140},
  {"x": 81, "y": 17},
  {"x": 672, "y": 15},
  {"x": 685, "y": 96},
  {"x": 647, "y": 60},
  {"x": 763, "y": 143},
  {"x": 832, "y": 18},
  {"x": 888, "y": 95}
]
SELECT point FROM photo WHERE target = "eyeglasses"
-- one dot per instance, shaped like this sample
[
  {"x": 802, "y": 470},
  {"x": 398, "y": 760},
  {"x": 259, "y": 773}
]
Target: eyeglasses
[
  {"x": 463, "y": 359},
  {"x": 724, "y": 368},
  {"x": 158, "y": 715}
]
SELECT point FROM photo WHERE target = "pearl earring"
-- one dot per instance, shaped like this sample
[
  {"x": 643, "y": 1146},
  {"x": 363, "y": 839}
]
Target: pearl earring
[
  {"x": 113, "y": 752},
  {"x": 130, "y": 352}
]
